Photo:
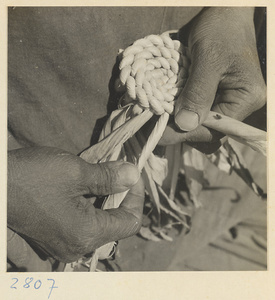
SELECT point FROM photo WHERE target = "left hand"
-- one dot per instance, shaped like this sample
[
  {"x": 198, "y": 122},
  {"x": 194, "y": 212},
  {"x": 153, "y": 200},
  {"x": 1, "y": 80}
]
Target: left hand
[{"x": 47, "y": 203}]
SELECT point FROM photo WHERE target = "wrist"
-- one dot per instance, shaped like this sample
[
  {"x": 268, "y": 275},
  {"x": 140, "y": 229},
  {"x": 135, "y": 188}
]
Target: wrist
[
  {"x": 228, "y": 27},
  {"x": 237, "y": 15}
]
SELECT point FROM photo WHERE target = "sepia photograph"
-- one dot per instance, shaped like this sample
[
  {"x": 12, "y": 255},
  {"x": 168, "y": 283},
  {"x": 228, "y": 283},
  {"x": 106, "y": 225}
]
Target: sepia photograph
[{"x": 136, "y": 139}]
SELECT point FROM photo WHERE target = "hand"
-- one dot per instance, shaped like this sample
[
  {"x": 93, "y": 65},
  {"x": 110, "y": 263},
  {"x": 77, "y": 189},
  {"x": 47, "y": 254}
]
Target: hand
[
  {"x": 47, "y": 204},
  {"x": 224, "y": 75}
]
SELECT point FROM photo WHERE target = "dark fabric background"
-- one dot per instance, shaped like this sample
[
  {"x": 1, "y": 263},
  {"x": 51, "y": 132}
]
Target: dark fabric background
[{"x": 60, "y": 64}]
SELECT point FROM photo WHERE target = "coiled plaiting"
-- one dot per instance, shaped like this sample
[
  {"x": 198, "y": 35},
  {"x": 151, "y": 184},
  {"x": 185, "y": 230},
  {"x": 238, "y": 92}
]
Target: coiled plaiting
[{"x": 153, "y": 71}]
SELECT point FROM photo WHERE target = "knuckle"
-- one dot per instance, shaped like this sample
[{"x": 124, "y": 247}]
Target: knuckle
[
  {"x": 74, "y": 169},
  {"x": 209, "y": 55},
  {"x": 259, "y": 95},
  {"x": 195, "y": 98},
  {"x": 256, "y": 97},
  {"x": 104, "y": 180}
]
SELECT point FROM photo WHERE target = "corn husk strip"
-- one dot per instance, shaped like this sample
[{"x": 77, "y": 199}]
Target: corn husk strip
[
  {"x": 158, "y": 165},
  {"x": 154, "y": 189},
  {"x": 162, "y": 232},
  {"x": 229, "y": 159},
  {"x": 175, "y": 168},
  {"x": 239, "y": 131},
  {"x": 117, "y": 121},
  {"x": 153, "y": 139},
  {"x": 169, "y": 154},
  {"x": 107, "y": 128},
  {"x": 172, "y": 204},
  {"x": 106, "y": 146},
  {"x": 150, "y": 185},
  {"x": 151, "y": 188},
  {"x": 165, "y": 236},
  {"x": 239, "y": 166},
  {"x": 113, "y": 201},
  {"x": 194, "y": 163},
  {"x": 221, "y": 160},
  {"x": 146, "y": 233},
  {"x": 110, "y": 147},
  {"x": 158, "y": 168},
  {"x": 170, "y": 225},
  {"x": 174, "y": 215},
  {"x": 259, "y": 146},
  {"x": 113, "y": 143}
]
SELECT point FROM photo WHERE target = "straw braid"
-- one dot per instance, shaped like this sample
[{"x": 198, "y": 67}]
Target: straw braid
[{"x": 153, "y": 72}]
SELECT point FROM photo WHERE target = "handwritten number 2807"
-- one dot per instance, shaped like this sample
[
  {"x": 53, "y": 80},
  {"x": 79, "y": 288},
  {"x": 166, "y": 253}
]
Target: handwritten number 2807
[{"x": 36, "y": 285}]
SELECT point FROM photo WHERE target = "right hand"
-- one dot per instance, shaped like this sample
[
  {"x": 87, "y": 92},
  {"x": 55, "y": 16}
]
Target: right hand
[{"x": 224, "y": 74}]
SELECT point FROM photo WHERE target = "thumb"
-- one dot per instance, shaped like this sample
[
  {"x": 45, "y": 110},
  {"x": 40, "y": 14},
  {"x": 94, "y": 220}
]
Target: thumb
[
  {"x": 109, "y": 177},
  {"x": 198, "y": 95}
]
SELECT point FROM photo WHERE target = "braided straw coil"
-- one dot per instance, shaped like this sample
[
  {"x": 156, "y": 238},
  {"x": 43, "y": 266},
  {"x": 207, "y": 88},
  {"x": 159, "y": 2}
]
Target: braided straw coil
[{"x": 153, "y": 71}]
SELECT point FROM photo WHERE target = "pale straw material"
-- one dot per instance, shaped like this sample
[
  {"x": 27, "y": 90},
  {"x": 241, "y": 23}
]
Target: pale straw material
[{"x": 153, "y": 72}]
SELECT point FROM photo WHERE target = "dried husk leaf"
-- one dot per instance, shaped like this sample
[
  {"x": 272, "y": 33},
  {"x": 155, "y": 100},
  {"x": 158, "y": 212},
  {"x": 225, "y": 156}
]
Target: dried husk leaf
[
  {"x": 172, "y": 204},
  {"x": 176, "y": 168},
  {"x": 151, "y": 187},
  {"x": 117, "y": 138},
  {"x": 194, "y": 163},
  {"x": 239, "y": 166},
  {"x": 146, "y": 233},
  {"x": 162, "y": 231},
  {"x": 221, "y": 160},
  {"x": 229, "y": 159},
  {"x": 241, "y": 132},
  {"x": 158, "y": 168}
]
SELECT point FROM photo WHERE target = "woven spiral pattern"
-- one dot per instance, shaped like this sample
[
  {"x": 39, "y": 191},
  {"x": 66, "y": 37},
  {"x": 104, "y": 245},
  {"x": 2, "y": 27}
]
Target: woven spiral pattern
[{"x": 153, "y": 71}]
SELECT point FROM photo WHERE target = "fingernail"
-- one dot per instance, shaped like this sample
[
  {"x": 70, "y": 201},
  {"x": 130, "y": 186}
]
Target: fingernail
[
  {"x": 187, "y": 120},
  {"x": 128, "y": 174}
]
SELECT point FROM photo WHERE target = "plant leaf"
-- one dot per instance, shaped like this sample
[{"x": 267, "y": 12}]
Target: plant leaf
[
  {"x": 150, "y": 186},
  {"x": 172, "y": 204},
  {"x": 158, "y": 167},
  {"x": 146, "y": 233},
  {"x": 165, "y": 236},
  {"x": 221, "y": 160},
  {"x": 174, "y": 215},
  {"x": 194, "y": 165},
  {"x": 239, "y": 166}
]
